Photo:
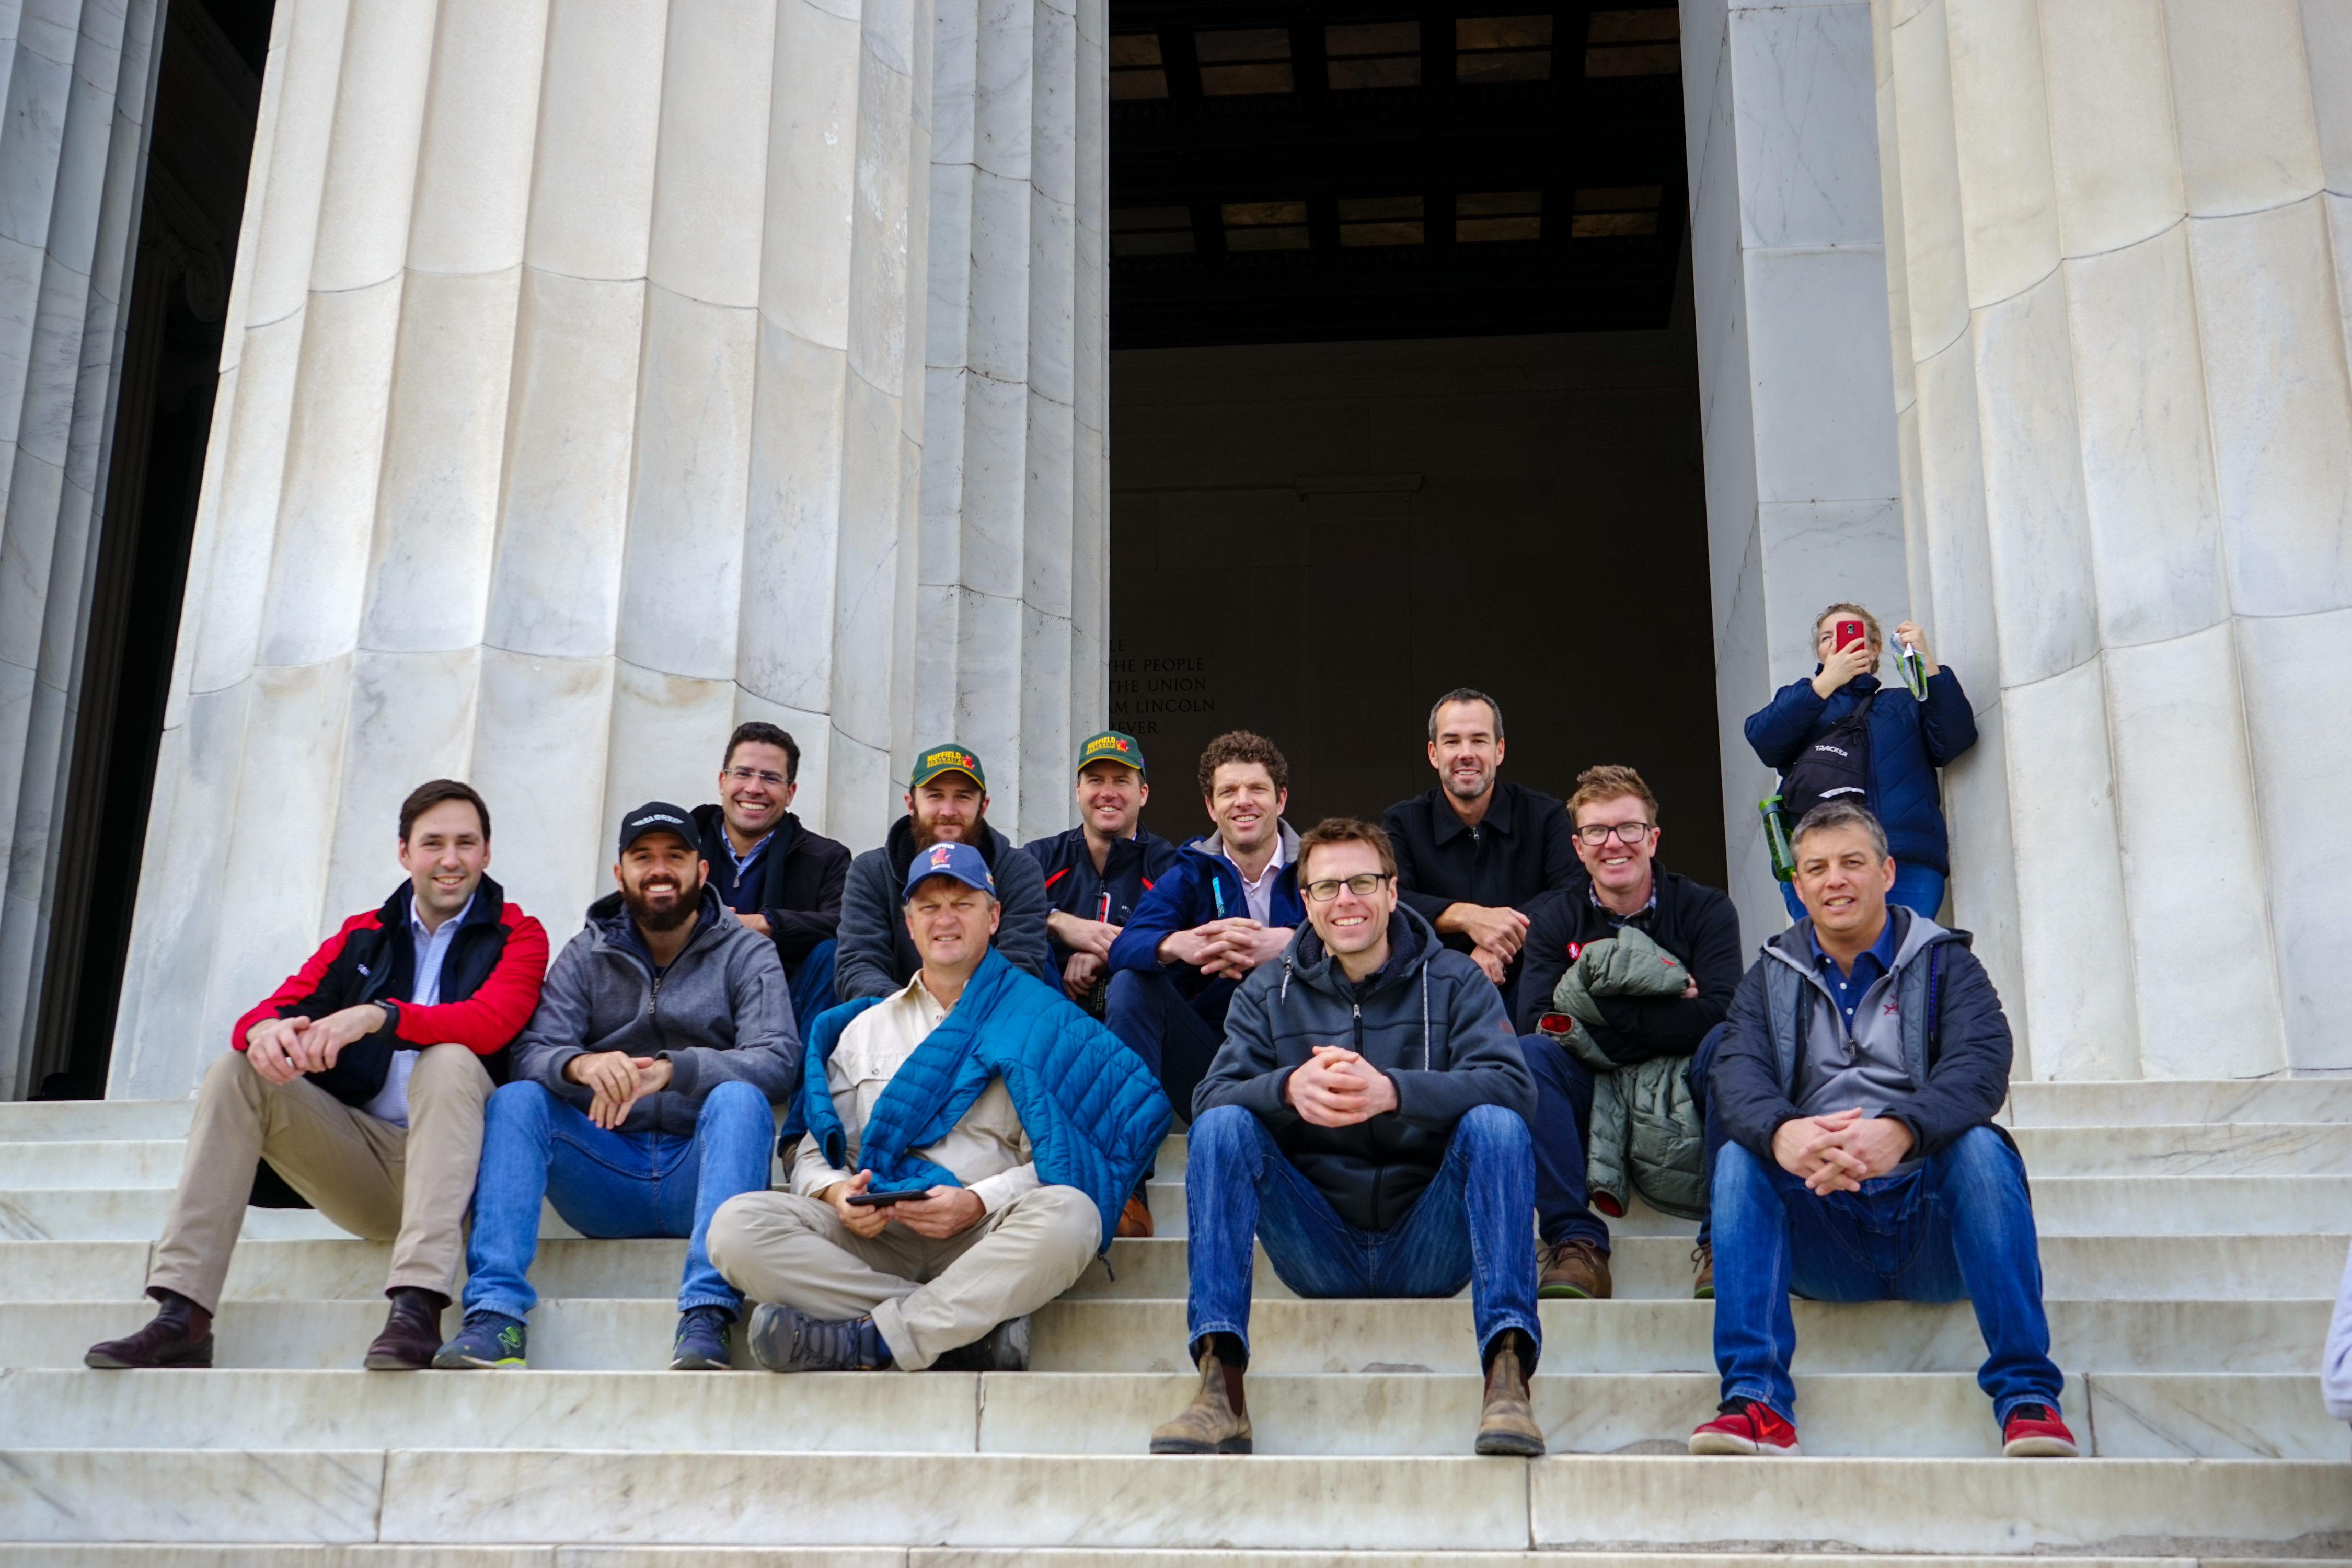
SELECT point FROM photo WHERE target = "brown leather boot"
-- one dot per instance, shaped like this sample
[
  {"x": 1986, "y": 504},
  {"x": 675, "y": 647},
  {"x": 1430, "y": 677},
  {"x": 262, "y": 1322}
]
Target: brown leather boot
[
  {"x": 1703, "y": 1275},
  {"x": 1217, "y": 1422},
  {"x": 1506, "y": 1422},
  {"x": 411, "y": 1334},
  {"x": 1574, "y": 1268},
  {"x": 180, "y": 1334},
  {"x": 1135, "y": 1219}
]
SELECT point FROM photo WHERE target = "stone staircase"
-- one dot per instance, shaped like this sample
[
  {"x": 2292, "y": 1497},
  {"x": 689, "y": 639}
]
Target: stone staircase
[{"x": 2192, "y": 1237}]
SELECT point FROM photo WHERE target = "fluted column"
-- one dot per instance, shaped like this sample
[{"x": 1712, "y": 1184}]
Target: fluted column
[
  {"x": 574, "y": 411},
  {"x": 2123, "y": 289},
  {"x": 78, "y": 78}
]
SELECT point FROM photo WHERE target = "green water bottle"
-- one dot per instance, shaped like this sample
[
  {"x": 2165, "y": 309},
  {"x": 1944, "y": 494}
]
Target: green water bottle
[{"x": 1776, "y": 838}]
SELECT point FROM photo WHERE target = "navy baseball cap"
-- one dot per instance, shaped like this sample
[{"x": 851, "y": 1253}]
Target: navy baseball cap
[
  {"x": 659, "y": 816},
  {"x": 961, "y": 861}
]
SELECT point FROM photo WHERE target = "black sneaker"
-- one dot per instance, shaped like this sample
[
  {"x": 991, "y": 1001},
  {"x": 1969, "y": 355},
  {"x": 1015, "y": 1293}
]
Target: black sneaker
[
  {"x": 487, "y": 1339},
  {"x": 1004, "y": 1347},
  {"x": 786, "y": 1339},
  {"x": 702, "y": 1341}
]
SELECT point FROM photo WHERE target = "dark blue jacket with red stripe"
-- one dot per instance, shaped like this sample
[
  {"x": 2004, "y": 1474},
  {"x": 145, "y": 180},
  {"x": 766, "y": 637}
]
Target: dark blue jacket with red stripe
[
  {"x": 1074, "y": 886},
  {"x": 490, "y": 976},
  {"x": 1200, "y": 886}
]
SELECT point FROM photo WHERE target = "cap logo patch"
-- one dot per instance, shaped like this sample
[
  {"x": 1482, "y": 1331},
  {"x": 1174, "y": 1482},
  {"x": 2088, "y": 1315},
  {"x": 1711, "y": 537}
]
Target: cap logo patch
[
  {"x": 938, "y": 854},
  {"x": 951, "y": 759}
]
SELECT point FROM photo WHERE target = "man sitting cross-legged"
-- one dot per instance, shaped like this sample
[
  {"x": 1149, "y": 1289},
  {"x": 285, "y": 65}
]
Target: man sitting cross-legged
[
  {"x": 642, "y": 1094},
  {"x": 1008, "y": 1124},
  {"x": 1366, "y": 1120},
  {"x": 361, "y": 1084},
  {"x": 1856, "y": 1080}
]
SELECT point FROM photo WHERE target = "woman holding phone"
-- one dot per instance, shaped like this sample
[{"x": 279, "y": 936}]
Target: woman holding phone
[{"x": 1903, "y": 742}]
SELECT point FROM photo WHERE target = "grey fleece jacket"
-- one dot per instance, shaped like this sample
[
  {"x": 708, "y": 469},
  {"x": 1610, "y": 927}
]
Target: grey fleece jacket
[
  {"x": 721, "y": 1011},
  {"x": 877, "y": 957}
]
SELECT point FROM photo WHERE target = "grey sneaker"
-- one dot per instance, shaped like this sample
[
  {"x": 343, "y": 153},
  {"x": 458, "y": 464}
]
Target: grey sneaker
[{"x": 1004, "y": 1347}]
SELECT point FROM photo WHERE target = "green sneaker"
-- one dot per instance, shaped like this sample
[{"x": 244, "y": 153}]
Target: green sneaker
[{"x": 490, "y": 1339}]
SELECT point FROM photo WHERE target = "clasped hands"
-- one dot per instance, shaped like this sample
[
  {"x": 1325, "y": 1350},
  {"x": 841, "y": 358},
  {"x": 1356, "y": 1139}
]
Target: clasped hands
[
  {"x": 1337, "y": 1088},
  {"x": 1230, "y": 947},
  {"x": 618, "y": 1080},
  {"x": 939, "y": 1214},
  {"x": 1495, "y": 935},
  {"x": 283, "y": 1049},
  {"x": 1090, "y": 944},
  {"x": 1838, "y": 1152}
]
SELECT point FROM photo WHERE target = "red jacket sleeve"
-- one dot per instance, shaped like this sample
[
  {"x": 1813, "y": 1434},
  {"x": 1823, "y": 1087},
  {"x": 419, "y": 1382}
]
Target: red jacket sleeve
[
  {"x": 496, "y": 1012},
  {"x": 304, "y": 981}
]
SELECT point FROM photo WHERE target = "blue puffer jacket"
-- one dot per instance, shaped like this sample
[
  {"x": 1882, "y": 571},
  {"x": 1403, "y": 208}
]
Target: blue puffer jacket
[
  {"x": 1093, "y": 1113},
  {"x": 1908, "y": 742}
]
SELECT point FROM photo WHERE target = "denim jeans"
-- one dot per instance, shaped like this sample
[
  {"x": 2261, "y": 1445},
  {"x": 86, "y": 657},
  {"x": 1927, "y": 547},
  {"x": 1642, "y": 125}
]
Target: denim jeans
[
  {"x": 1153, "y": 1018},
  {"x": 1469, "y": 1225},
  {"x": 1919, "y": 888},
  {"x": 811, "y": 984},
  {"x": 608, "y": 1184},
  {"x": 1957, "y": 1227}
]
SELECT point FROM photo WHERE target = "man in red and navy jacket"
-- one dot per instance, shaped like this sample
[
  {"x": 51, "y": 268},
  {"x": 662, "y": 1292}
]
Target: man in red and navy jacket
[
  {"x": 360, "y": 1084},
  {"x": 1097, "y": 872}
]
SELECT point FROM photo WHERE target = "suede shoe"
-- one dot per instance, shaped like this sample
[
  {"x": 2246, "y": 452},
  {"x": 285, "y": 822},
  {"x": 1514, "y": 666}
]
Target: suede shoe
[
  {"x": 1135, "y": 1219},
  {"x": 1702, "y": 1273},
  {"x": 701, "y": 1344},
  {"x": 412, "y": 1333},
  {"x": 1746, "y": 1426},
  {"x": 2035, "y": 1432},
  {"x": 786, "y": 1339},
  {"x": 1004, "y": 1347},
  {"x": 1217, "y": 1422},
  {"x": 1577, "y": 1270},
  {"x": 486, "y": 1338},
  {"x": 180, "y": 1334},
  {"x": 1506, "y": 1421}
]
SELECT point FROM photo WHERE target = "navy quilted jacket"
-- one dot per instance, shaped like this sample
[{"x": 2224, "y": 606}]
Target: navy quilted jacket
[{"x": 1093, "y": 1113}]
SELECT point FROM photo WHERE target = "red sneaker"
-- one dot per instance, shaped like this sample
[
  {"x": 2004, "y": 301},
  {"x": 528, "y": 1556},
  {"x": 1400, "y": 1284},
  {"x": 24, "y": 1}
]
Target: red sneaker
[
  {"x": 1749, "y": 1427},
  {"x": 2035, "y": 1432}
]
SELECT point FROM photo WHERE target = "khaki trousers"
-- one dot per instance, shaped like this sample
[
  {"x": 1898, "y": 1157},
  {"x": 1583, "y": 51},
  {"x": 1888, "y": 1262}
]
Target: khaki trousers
[
  {"x": 406, "y": 1186},
  {"x": 927, "y": 1297}
]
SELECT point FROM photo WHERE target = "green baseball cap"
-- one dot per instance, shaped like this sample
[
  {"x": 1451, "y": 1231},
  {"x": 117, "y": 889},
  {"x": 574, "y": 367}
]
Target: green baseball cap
[
  {"x": 948, "y": 759},
  {"x": 1110, "y": 746}
]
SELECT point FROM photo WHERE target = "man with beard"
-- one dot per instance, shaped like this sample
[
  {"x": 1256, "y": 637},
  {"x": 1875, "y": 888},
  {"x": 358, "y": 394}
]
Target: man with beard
[
  {"x": 1473, "y": 853},
  {"x": 947, "y": 803},
  {"x": 641, "y": 1096},
  {"x": 780, "y": 879}
]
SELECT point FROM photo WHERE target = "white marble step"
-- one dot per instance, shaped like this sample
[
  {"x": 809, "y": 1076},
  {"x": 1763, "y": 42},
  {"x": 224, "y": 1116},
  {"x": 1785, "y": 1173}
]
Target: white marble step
[
  {"x": 1307, "y": 1503},
  {"x": 247, "y": 1555},
  {"x": 2120, "y": 1102},
  {"x": 2129, "y": 1415},
  {"x": 1121, "y": 1336}
]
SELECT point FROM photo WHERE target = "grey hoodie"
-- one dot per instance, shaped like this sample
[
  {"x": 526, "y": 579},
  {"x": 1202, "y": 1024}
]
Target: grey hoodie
[{"x": 720, "y": 1010}]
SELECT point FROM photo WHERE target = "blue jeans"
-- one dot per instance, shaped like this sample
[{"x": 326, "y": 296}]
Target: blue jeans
[
  {"x": 1469, "y": 1225},
  {"x": 1919, "y": 888},
  {"x": 1957, "y": 1226},
  {"x": 607, "y": 1184},
  {"x": 1153, "y": 1018},
  {"x": 812, "y": 985},
  {"x": 1563, "y": 1129}
]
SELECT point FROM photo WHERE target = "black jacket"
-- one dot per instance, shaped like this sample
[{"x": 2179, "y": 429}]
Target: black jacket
[
  {"x": 1430, "y": 1019},
  {"x": 1074, "y": 886},
  {"x": 1694, "y": 922},
  {"x": 876, "y": 955},
  {"x": 1522, "y": 849},
  {"x": 800, "y": 875}
]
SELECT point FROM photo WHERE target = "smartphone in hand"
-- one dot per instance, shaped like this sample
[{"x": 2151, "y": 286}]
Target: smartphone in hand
[{"x": 1848, "y": 634}]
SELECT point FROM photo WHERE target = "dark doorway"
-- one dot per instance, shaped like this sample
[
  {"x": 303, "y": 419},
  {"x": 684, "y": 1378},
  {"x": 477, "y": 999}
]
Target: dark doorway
[
  {"x": 207, "y": 95},
  {"x": 1404, "y": 397}
]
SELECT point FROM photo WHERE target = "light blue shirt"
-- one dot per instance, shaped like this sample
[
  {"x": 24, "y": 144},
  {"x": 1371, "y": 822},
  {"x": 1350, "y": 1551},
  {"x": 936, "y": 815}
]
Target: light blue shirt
[{"x": 390, "y": 1101}]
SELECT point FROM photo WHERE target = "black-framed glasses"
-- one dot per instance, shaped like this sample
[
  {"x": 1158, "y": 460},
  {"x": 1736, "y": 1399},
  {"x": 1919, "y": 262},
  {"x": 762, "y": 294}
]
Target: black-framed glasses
[
  {"x": 1363, "y": 886},
  {"x": 1596, "y": 834},
  {"x": 759, "y": 775}
]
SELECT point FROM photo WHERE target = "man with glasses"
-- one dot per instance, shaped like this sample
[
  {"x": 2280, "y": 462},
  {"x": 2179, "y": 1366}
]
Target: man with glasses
[
  {"x": 781, "y": 880},
  {"x": 1616, "y": 835},
  {"x": 1365, "y": 1121},
  {"x": 1474, "y": 853}
]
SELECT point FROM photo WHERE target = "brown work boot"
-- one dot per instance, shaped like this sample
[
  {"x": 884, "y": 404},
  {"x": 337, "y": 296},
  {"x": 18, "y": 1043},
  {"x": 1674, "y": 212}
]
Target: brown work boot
[
  {"x": 1574, "y": 1268},
  {"x": 1702, "y": 1279},
  {"x": 180, "y": 1334},
  {"x": 1506, "y": 1422},
  {"x": 1135, "y": 1219},
  {"x": 411, "y": 1334},
  {"x": 1217, "y": 1422}
]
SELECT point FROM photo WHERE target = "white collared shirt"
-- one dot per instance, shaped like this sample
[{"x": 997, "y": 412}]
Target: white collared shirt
[
  {"x": 1259, "y": 894},
  {"x": 390, "y": 1101}
]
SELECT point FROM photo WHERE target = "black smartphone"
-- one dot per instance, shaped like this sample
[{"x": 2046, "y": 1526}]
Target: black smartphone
[{"x": 883, "y": 1200}]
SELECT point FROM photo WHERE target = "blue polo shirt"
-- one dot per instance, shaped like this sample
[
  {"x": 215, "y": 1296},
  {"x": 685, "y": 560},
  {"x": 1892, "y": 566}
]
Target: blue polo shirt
[{"x": 1868, "y": 965}]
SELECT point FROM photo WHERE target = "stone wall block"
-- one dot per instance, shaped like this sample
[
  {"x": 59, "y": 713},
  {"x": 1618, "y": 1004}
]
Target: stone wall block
[
  {"x": 2339, "y": 245},
  {"x": 2281, "y": 407},
  {"x": 2292, "y": 667},
  {"x": 955, "y": 67},
  {"x": 412, "y": 719},
  {"x": 1817, "y": 346},
  {"x": 2241, "y": 89},
  {"x": 1817, "y": 552},
  {"x": 2327, "y": 43},
  {"x": 996, "y": 338},
  {"x": 1959, "y": 550},
  {"x": 789, "y": 544},
  {"x": 481, "y": 126},
  {"x": 988, "y": 715},
  {"x": 2035, "y": 514},
  {"x": 27, "y": 531},
  {"x": 569, "y": 438},
  {"x": 880, "y": 250},
  {"x": 2193, "y": 883},
  {"x": 281, "y": 233},
  {"x": 248, "y": 480},
  {"x": 1934, "y": 236},
  {"x": 593, "y": 156},
  {"x": 2113, "y": 144},
  {"x": 1002, "y": 58},
  {"x": 39, "y": 89},
  {"x": 2147, "y": 462},
  {"x": 1053, "y": 108},
  {"x": 85, "y": 148},
  {"x": 710, "y": 176},
  {"x": 2009, "y": 199},
  {"x": 553, "y": 838},
  {"x": 2078, "y": 979},
  {"x": 995, "y": 481},
  {"x": 257, "y": 199},
  {"x": 428, "y": 581},
  {"x": 21, "y": 266},
  {"x": 1899, "y": 266},
  {"x": 1805, "y": 124},
  {"x": 865, "y": 569},
  {"x": 668, "y": 733},
  {"x": 947, "y": 280},
  {"x": 1982, "y": 889},
  {"x": 1045, "y": 740},
  {"x": 370, "y": 183},
  {"x": 938, "y": 635},
  {"x": 1918, "y": 581},
  {"x": 805, "y": 258},
  {"x": 947, "y": 393},
  {"x": 203, "y": 537}
]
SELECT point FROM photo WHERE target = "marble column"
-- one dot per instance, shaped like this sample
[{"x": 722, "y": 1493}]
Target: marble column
[
  {"x": 78, "y": 80},
  {"x": 2125, "y": 246},
  {"x": 573, "y": 410}
]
